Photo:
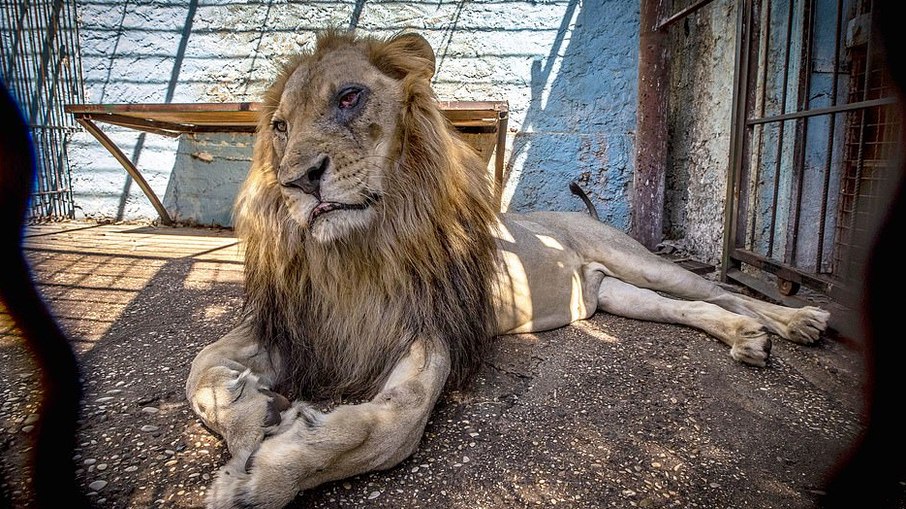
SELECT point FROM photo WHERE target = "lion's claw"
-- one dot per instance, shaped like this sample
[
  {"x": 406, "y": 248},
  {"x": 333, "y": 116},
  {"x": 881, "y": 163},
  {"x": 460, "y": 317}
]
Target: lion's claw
[{"x": 275, "y": 406}]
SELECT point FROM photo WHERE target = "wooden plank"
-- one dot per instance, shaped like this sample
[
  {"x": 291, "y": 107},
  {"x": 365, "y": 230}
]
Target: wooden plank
[
  {"x": 149, "y": 126},
  {"x": 696, "y": 266},
  {"x": 824, "y": 285},
  {"x": 245, "y": 115},
  {"x": 198, "y": 118},
  {"x": 188, "y": 108}
]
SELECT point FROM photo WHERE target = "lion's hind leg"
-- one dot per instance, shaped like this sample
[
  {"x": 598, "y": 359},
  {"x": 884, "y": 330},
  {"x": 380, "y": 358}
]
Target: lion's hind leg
[
  {"x": 647, "y": 270},
  {"x": 801, "y": 325},
  {"x": 626, "y": 259},
  {"x": 748, "y": 341}
]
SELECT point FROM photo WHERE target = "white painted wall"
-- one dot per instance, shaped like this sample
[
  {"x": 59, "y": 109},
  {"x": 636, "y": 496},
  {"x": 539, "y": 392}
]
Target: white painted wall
[{"x": 567, "y": 68}]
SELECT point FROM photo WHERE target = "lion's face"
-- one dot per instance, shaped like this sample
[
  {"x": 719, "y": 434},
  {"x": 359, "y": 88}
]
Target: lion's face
[{"x": 332, "y": 134}]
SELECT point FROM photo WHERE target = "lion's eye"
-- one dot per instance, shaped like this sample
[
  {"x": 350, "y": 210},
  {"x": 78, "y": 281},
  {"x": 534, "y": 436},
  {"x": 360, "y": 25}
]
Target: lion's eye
[
  {"x": 348, "y": 98},
  {"x": 278, "y": 125}
]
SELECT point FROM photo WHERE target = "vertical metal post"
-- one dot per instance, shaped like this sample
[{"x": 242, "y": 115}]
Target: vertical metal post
[
  {"x": 762, "y": 87},
  {"x": 502, "y": 122},
  {"x": 822, "y": 219},
  {"x": 737, "y": 135},
  {"x": 801, "y": 141},
  {"x": 651, "y": 129},
  {"x": 778, "y": 162}
]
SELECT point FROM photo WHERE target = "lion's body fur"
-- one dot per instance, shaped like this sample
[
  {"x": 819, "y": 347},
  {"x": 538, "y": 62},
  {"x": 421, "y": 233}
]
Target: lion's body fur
[
  {"x": 377, "y": 271},
  {"x": 341, "y": 315}
]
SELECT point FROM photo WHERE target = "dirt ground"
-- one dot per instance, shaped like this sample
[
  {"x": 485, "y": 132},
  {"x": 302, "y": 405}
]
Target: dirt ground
[{"x": 608, "y": 412}]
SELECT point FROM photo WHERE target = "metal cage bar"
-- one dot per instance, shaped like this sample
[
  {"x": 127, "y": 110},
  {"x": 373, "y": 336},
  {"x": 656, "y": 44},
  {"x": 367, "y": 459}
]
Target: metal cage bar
[
  {"x": 42, "y": 69},
  {"x": 845, "y": 179},
  {"x": 781, "y": 128}
]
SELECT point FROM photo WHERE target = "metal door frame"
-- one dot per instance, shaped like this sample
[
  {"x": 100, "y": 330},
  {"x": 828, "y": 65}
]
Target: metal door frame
[{"x": 744, "y": 120}]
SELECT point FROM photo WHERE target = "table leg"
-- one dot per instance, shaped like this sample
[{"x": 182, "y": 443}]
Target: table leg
[{"x": 128, "y": 166}]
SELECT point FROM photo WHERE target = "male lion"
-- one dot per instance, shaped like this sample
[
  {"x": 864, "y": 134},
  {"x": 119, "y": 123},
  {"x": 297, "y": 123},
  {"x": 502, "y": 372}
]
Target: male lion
[{"x": 377, "y": 271}]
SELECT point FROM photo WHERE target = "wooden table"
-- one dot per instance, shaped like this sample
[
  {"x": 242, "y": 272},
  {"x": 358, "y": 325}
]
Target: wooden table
[{"x": 482, "y": 123}]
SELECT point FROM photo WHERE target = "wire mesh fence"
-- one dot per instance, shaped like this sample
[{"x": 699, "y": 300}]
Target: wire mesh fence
[{"x": 41, "y": 66}]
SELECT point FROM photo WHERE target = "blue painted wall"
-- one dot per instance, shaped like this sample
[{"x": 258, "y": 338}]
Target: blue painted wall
[
  {"x": 580, "y": 120},
  {"x": 206, "y": 177}
]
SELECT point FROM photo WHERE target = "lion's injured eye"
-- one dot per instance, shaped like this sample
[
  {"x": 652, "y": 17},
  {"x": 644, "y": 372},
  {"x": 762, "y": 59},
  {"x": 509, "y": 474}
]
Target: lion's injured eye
[
  {"x": 348, "y": 98},
  {"x": 279, "y": 126},
  {"x": 349, "y": 102}
]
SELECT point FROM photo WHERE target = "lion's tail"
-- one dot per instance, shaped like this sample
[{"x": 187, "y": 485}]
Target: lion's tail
[{"x": 574, "y": 187}]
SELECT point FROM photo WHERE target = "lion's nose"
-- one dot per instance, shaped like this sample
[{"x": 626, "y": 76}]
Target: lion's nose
[{"x": 310, "y": 180}]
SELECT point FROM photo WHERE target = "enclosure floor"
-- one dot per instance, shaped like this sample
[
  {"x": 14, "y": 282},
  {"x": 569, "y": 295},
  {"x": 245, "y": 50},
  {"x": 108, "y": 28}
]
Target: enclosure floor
[{"x": 608, "y": 412}]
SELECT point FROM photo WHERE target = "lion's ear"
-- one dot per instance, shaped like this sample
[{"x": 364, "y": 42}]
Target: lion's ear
[{"x": 403, "y": 55}]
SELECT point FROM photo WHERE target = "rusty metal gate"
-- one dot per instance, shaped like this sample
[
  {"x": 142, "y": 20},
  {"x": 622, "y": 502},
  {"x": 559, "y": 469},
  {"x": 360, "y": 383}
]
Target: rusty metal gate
[
  {"x": 814, "y": 146},
  {"x": 41, "y": 67}
]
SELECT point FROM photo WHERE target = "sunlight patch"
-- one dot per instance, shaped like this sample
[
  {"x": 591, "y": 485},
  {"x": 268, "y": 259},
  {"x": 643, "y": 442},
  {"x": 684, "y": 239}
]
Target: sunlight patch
[
  {"x": 215, "y": 311},
  {"x": 595, "y": 332},
  {"x": 550, "y": 242},
  {"x": 205, "y": 276}
]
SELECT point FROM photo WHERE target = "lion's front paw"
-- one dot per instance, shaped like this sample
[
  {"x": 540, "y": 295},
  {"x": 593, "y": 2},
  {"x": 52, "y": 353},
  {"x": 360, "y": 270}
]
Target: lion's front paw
[
  {"x": 752, "y": 346},
  {"x": 239, "y": 485},
  {"x": 253, "y": 413},
  {"x": 229, "y": 486},
  {"x": 807, "y": 325}
]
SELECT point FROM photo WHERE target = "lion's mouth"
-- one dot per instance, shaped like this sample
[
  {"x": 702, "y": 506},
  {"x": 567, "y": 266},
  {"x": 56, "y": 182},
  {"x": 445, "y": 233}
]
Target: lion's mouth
[{"x": 330, "y": 206}]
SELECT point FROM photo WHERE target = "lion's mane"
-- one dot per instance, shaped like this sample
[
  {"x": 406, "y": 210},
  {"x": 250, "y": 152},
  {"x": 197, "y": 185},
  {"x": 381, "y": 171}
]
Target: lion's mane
[{"x": 340, "y": 315}]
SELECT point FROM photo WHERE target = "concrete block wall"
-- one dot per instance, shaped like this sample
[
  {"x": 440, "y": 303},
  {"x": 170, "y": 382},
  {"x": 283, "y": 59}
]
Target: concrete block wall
[
  {"x": 567, "y": 68},
  {"x": 702, "y": 51}
]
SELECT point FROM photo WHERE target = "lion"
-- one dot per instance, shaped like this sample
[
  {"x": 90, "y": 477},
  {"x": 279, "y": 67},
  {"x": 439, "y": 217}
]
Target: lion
[{"x": 378, "y": 271}]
